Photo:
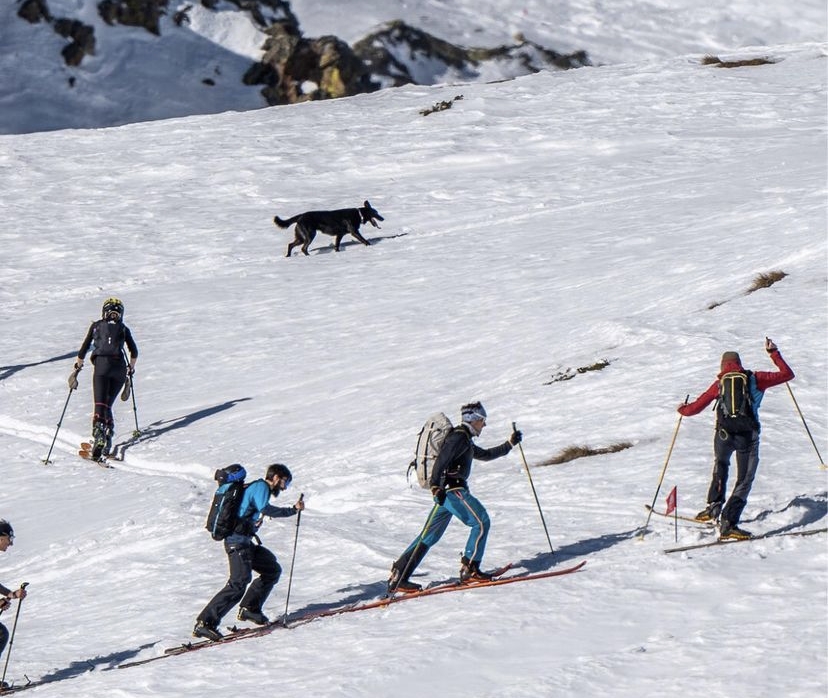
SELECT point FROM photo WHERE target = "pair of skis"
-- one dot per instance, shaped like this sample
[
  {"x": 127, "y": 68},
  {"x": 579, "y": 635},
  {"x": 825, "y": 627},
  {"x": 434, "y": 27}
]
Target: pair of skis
[
  {"x": 440, "y": 588},
  {"x": 728, "y": 541}
]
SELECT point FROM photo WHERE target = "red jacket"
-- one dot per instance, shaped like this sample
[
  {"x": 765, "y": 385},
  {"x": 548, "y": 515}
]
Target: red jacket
[{"x": 764, "y": 380}]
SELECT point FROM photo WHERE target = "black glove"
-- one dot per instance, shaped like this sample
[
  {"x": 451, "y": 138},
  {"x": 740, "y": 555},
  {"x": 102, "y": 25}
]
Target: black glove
[
  {"x": 439, "y": 495},
  {"x": 516, "y": 437}
]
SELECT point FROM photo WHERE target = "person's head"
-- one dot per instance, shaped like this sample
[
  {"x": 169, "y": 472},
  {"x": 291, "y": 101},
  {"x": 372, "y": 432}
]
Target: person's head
[
  {"x": 113, "y": 310},
  {"x": 6, "y": 535},
  {"x": 278, "y": 478},
  {"x": 474, "y": 414},
  {"x": 730, "y": 358}
]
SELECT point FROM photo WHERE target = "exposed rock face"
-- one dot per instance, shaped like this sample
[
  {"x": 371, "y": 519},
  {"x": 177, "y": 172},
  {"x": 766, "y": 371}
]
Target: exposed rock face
[
  {"x": 83, "y": 40},
  {"x": 82, "y": 35},
  {"x": 134, "y": 13},
  {"x": 34, "y": 11},
  {"x": 397, "y": 53},
  {"x": 296, "y": 69}
]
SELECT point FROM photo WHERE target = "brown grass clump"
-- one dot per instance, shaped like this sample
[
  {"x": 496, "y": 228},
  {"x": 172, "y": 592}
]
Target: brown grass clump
[
  {"x": 571, "y": 453},
  {"x": 766, "y": 280},
  {"x": 569, "y": 374},
  {"x": 719, "y": 63}
]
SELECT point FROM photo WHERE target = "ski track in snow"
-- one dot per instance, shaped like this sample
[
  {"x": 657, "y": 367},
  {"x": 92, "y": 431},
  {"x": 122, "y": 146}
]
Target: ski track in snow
[{"x": 539, "y": 226}]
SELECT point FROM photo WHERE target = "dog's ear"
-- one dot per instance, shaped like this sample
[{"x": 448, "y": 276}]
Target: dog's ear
[{"x": 366, "y": 204}]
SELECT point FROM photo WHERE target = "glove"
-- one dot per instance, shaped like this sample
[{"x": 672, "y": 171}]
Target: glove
[
  {"x": 516, "y": 437},
  {"x": 4, "y": 603},
  {"x": 439, "y": 495},
  {"x": 78, "y": 364},
  {"x": 770, "y": 347}
]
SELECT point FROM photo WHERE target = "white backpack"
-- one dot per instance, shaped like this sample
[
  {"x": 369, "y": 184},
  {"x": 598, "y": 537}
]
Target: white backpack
[{"x": 429, "y": 442}]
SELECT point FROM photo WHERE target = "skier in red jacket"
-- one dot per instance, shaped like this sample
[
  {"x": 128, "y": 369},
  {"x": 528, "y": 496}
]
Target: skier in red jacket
[{"x": 739, "y": 393}]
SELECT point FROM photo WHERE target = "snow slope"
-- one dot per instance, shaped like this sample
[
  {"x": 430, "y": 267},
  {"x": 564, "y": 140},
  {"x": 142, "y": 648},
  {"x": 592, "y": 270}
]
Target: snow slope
[
  {"x": 537, "y": 227},
  {"x": 197, "y": 68}
]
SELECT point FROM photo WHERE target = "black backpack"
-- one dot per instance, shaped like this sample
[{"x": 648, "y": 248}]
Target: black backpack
[
  {"x": 735, "y": 405},
  {"x": 108, "y": 338},
  {"x": 224, "y": 511}
]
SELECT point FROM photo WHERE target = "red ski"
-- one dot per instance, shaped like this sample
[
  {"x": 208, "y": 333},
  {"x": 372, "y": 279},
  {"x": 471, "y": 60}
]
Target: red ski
[{"x": 442, "y": 588}]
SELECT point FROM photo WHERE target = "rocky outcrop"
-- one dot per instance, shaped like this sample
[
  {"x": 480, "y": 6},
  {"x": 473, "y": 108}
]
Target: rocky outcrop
[
  {"x": 82, "y": 35},
  {"x": 83, "y": 40},
  {"x": 296, "y": 69},
  {"x": 134, "y": 13},
  {"x": 399, "y": 54}
]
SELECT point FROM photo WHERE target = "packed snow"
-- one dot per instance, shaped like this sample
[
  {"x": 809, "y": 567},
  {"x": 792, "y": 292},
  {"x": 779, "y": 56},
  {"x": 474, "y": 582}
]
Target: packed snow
[{"x": 611, "y": 218}]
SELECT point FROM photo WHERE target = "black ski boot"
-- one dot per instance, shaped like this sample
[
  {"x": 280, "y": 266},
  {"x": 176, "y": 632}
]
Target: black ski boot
[
  {"x": 256, "y": 617},
  {"x": 470, "y": 572},
  {"x": 209, "y": 632},
  {"x": 98, "y": 440},
  {"x": 403, "y": 586}
]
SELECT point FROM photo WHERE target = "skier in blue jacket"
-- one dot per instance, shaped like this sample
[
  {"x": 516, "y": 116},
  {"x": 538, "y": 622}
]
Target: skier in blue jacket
[
  {"x": 246, "y": 554},
  {"x": 452, "y": 498}
]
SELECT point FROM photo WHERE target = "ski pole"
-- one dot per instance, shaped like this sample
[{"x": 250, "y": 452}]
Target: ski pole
[
  {"x": 292, "y": 560},
  {"x": 73, "y": 383},
  {"x": 805, "y": 424},
  {"x": 534, "y": 493},
  {"x": 11, "y": 639},
  {"x": 137, "y": 431},
  {"x": 663, "y": 471},
  {"x": 411, "y": 558}
]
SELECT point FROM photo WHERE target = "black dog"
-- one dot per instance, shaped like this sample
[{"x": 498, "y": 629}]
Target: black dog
[{"x": 338, "y": 223}]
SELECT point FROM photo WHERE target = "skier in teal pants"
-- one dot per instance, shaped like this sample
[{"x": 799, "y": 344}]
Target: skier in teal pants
[{"x": 449, "y": 487}]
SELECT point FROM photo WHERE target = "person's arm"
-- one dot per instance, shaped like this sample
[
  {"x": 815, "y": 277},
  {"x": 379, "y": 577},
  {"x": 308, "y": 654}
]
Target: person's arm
[
  {"x": 768, "y": 379},
  {"x": 87, "y": 342},
  {"x": 690, "y": 408},
  {"x": 133, "y": 349}
]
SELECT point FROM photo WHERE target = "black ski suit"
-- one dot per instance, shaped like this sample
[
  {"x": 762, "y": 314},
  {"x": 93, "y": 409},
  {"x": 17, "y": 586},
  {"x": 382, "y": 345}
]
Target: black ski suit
[{"x": 107, "y": 340}]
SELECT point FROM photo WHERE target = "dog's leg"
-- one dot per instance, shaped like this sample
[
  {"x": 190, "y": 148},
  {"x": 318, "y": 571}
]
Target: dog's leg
[
  {"x": 307, "y": 233},
  {"x": 354, "y": 231},
  {"x": 360, "y": 238}
]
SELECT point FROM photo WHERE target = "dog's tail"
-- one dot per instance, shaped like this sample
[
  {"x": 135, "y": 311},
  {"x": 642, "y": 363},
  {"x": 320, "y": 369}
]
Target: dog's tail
[{"x": 286, "y": 224}]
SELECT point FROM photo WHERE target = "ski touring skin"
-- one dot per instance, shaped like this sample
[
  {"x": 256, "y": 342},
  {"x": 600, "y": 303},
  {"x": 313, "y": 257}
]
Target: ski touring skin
[
  {"x": 730, "y": 541},
  {"x": 440, "y": 588}
]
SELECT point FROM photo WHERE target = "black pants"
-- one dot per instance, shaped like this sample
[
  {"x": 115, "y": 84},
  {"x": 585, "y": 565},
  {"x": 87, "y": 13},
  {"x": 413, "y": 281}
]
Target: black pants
[
  {"x": 746, "y": 447},
  {"x": 4, "y": 637},
  {"x": 107, "y": 381},
  {"x": 244, "y": 560}
]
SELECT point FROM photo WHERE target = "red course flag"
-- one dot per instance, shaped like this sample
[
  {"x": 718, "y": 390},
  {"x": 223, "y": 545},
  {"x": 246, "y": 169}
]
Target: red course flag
[{"x": 672, "y": 500}]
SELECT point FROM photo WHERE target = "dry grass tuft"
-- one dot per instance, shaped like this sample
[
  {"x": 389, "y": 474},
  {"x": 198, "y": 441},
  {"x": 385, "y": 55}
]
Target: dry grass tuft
[
  {"x": 766, "y": 280},
  {"x": 569, "y": 374},
  {"x": 573, "y": 452},
  {"x": 719, "y": 63}
]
